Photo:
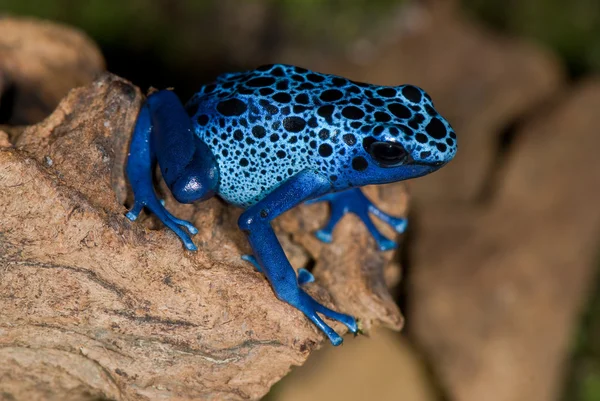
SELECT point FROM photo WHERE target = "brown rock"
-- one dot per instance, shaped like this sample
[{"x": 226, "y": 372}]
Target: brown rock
[
  {"x": 498, "y": 288},
  {"x": 39, "y": 62},
  {"x": 95, "y": 305},
  {"x": 4, "y": 142}
]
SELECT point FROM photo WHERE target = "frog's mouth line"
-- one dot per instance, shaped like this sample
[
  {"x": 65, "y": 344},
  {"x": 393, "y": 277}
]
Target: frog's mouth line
[
  {"x": 409, "y": 161},
  {"x": 434, "y": 164}
]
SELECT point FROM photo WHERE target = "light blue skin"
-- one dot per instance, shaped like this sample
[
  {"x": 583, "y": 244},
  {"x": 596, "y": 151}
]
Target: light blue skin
[{"x": 270, "y": 139}]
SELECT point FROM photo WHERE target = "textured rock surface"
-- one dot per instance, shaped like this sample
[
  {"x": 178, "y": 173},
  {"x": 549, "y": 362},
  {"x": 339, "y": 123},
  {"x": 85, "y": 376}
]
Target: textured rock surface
[{"x": 95, "y": 305}]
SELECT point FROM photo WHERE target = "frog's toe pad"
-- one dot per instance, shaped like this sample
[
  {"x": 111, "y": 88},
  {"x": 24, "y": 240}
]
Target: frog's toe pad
[
  {"x": 166, "y": 218},
  {"x": 324, "y": 236},
  {"x": 311, "y": 308},
  {"x": 305, "y": 277},
  {"x": 399, "y": 224},
  {"x": 252, "y": 259},
  {"x": 385, "y": 244}
]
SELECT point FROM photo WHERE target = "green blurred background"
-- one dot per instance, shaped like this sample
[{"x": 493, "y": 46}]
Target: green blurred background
[
  {"x": 159, "y": 41},
  {"x": 166, "y": 43}
]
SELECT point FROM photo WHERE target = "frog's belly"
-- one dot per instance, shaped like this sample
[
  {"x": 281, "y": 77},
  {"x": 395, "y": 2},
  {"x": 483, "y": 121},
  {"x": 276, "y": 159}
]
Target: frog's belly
[{"x": 246, "y": 179}]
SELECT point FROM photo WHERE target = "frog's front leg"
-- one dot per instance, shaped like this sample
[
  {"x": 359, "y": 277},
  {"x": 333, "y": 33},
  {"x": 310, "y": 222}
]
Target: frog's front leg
[
  {"x": 163, "y": 133},
  {"x": 256, "y": 222},
  {"x": 354, "y": 201}
]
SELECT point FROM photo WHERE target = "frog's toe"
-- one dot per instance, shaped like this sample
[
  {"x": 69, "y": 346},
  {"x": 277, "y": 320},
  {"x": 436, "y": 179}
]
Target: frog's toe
[
  {"x": 347, "y": 320},
  {"x": 183, "y": 236},
  {"x": 305, "y": 277},
  {"x": 166, "y": 218},
  {"x": 310, "y": 307},
  {"x": 383, "y": 243},
  {"x": 184, "y": 223},
  {"x": 252, "y": 259},
  {"x": 189, "y": 244},
  {"x": 333, "y": 337},
  {"x": 174, "y": 224},
  {"x": 399, "y": 224},
  {"x": 324, "y": 235},
  {"x": 386, "y": 244},
  {"x": 134, "y": 212}
]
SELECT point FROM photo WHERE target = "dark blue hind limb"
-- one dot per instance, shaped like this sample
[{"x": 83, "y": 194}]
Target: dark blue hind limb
[
  {"x": 163, "y": 133},
  {"x": 354, "y": 201},
  {"x": 270, "y": 258}
]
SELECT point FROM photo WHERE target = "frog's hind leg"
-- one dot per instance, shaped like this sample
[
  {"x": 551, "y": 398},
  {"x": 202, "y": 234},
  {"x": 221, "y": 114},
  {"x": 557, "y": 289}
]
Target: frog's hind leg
[
  {"x": 354, "y": 201},
  {"x": 163, "y": 133}
]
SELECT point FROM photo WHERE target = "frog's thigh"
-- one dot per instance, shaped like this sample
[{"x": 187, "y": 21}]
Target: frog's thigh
[{"x": 186, "y": 162}]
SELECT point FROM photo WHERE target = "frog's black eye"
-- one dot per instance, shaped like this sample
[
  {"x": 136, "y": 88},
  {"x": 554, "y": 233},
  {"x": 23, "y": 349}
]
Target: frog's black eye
[{"x": 388, "y": 154}]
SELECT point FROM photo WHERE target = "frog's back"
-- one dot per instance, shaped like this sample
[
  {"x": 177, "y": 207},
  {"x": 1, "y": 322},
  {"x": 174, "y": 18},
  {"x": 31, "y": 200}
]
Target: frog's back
[
  {"x": 266, "y": 125},
  {"x": 262, "y": 127}
]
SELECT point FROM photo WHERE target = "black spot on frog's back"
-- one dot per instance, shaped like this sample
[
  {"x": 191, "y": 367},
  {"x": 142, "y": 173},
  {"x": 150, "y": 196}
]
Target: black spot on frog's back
[
  {"x": 232, "y": 107},
  {"x": 260, "y": 82},
  {"x": 353, "y": 112},
  {"x": 331, "y": 95},
  {"x": 294, "y": 124},
  {"x": 411, "y": 93},
  {"x": 326, "y": 111},
  {"x": 325, "y": 150},
  {"x": 399, "y": 110},
  {"x": 436, "y": 129}
]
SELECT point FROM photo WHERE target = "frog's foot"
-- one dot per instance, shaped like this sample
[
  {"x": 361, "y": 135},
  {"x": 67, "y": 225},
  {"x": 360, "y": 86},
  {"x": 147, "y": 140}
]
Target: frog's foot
[
  {"x": 304, "y": 276},
  {"x": 151, "y": 202},
  {"x": 307, "y": 305},
  {"x": 296, "y": 297},
  {"x": 354, "y": 201}
]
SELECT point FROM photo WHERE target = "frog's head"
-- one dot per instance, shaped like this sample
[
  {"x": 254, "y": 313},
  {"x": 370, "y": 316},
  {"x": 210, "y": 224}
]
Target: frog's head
[{"x": 410, "y": 139}]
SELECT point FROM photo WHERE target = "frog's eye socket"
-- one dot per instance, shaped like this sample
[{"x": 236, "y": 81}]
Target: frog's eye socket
[{"x": 388, "y": 154}]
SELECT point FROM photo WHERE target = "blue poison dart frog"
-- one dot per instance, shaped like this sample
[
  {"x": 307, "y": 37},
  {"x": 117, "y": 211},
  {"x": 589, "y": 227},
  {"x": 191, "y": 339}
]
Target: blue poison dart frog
[{"x": 270, "y": 139}]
